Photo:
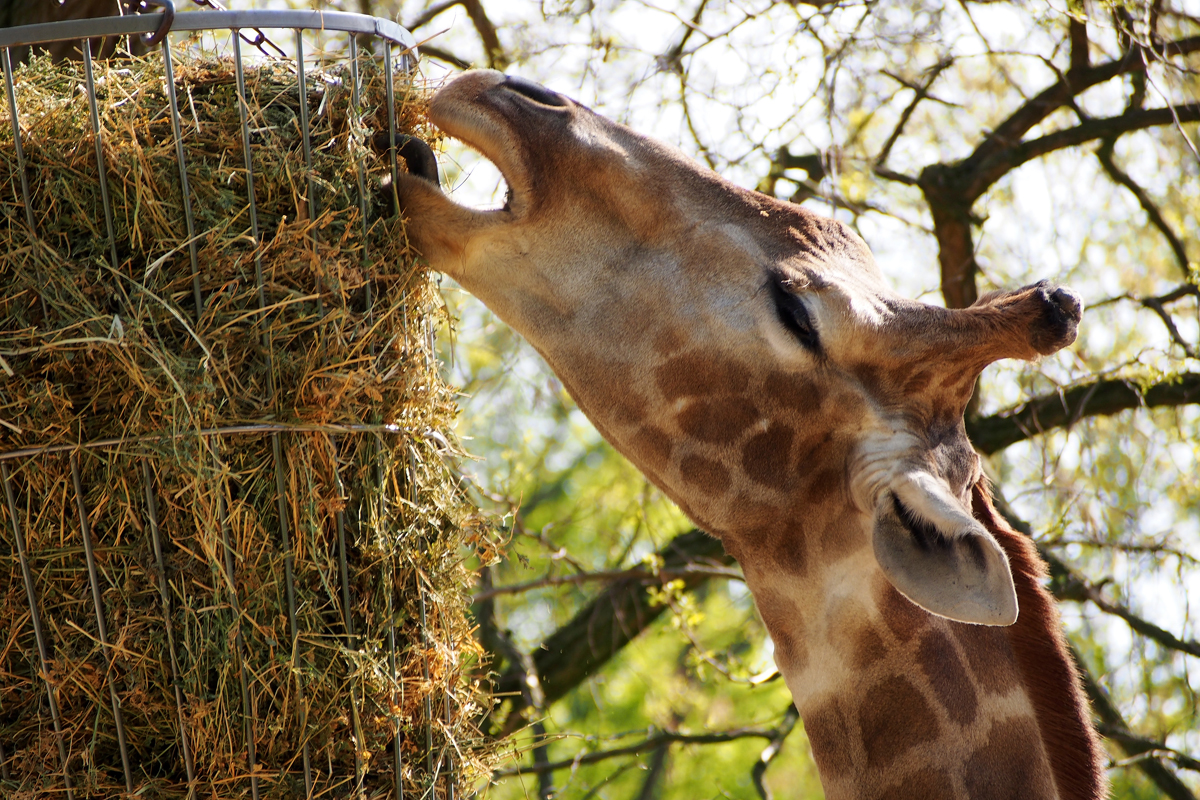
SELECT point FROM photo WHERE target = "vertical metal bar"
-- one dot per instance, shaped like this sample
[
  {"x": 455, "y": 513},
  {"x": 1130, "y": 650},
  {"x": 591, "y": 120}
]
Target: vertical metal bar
[
  {"x": 165, "y": 592},
  {"x": 348, "y": 622},
  {"x": 95, "y": 112},
  {"x": 244, "y": 114},
  {"x": 390, "y": 93},
  {"x": 36, "y": 618},
  {"x": 240, "y": 642},
  {"x": 280, "y": 486},
  {"x": 289, "y": 578},
  {"x": 12, "y": 111},
  {"x": 184, "y": 187},
  {"x": 101, "y": 627},
  {"x": 306, "y": 138},
  {"x": 355, "y": 91}
]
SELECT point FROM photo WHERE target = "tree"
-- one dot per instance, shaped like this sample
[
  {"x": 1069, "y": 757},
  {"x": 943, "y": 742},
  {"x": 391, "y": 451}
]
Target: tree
[{"x": 974, "y": 145}]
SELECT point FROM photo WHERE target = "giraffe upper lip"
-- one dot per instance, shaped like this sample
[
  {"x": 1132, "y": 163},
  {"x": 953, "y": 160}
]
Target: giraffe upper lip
[{"x": 466, "y": 109}]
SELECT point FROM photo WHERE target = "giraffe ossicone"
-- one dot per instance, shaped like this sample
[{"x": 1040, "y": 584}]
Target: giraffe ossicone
[{"x": 746, "y": 355}]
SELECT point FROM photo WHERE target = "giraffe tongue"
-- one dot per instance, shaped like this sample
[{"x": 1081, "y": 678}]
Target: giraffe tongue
[{"x": 953, "y": 570}]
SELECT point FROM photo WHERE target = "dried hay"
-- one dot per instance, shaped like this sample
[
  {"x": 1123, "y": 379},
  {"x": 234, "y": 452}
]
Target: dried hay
[{"x": 335, "y": 379}]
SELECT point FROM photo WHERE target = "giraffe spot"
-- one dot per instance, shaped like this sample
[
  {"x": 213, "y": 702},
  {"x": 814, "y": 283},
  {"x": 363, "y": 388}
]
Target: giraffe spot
[
  {"x": 790, "y": 551},
  {"x": 766, "y": 458},
  {"x": 837, "y": 539},
  {"x": 651, "y": 446},
  {"x": 1010, "y": 765},
  {"x": 904, "y": 618},
  {"x": 947, "y": 676},
  {"x": 921, "y": 785},
  {"x": 917, "y": 382},
  {"x": 668, "y": 341},
  {"x": 707, "y": 475},
  {"x": 829, "y": 737},
  {"x": 894, "y": 718},
  {"x": 825, "y": 485},
  {"x": 990, "y": 657},
  {"x": 794, "y": 392},
  {"x": 869, "y": 648},
  {"x": 698, "y": 375},
  {"x": 853, "y": 637},
  {"x": 719, "y": 421},
  {"x": 869, "y": 376}
]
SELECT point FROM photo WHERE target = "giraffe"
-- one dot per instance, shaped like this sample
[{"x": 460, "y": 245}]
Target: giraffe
[{"x": 745, "y": 354}]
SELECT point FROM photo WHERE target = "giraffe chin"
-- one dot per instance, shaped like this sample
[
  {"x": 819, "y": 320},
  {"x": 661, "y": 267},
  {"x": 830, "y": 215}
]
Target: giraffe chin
[{"x": 959, "y": 573}]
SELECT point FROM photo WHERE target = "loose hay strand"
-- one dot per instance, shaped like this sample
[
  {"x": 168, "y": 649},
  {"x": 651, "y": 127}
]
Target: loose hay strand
[{"x": 210, "y": 467}]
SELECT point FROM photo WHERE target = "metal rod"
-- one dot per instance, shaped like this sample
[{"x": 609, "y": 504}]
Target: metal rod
[
  {"x": 355, "y": 80},
  {"x": 101, "y": 627},
  {"x": 164, "y": 591},
  {"x": 3, "y": 763},
  {"x": 12, "y": 112},
  {"x": 390, "y": 93},
  {"x": 95, "y": 113},
  {"x": 36, "y": 618},
  {"x": 348, "y": 622},
  {"x": 244, "y": 114},
  {"x": 240, "y": 642},
  {"x": 290, "y": 583},
  {"x": 184, "y": 187}
]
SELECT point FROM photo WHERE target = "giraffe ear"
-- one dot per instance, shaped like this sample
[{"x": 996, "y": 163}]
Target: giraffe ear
[{"x": 955, "y": 570}]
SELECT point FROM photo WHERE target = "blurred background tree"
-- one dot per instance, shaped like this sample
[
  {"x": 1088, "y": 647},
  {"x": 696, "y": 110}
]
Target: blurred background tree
[{"x": 975, "y": 145}]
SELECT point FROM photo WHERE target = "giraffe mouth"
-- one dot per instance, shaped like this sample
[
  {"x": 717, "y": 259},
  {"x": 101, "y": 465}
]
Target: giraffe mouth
[
  {"x": 486, "y": 110},
  {"x": 938, "y": 556}
]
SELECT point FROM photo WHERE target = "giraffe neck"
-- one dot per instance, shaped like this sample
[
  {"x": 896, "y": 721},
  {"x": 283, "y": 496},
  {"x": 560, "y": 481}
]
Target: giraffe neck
[{"x": 898, "y": 703}]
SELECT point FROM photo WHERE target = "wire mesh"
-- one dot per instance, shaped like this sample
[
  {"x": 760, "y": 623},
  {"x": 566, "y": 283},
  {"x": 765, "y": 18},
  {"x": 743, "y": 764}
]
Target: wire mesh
[{"x": 126, "y": 458}]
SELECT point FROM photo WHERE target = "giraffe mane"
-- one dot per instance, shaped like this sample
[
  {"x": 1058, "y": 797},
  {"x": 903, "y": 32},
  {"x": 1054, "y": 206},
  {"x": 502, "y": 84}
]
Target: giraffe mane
[{"x": 1046, "y": 665}]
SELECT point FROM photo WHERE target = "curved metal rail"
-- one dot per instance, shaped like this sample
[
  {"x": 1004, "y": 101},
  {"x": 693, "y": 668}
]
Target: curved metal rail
[{"x": 192, "y": 21}]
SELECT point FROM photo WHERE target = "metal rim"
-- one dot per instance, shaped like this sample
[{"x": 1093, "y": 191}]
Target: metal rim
[{"x": 344, "y": 21}]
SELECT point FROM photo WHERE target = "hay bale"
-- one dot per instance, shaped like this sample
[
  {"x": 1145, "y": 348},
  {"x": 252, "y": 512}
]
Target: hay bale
[{"x": 268, "y": 427}]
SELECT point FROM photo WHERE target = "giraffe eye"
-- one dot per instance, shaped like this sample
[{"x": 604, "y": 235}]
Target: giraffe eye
[{"x": 792, "y": 313}]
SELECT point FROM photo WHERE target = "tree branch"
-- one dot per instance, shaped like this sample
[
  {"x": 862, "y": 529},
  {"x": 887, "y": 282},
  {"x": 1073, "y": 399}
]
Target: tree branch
[
  {"x": 992, "y": 434},
  {"x": 492, "y": 48},
  {"x": 1105, "y": 155},
  {"x": 996, "y": 166},
  {"x": 772, "y": 750},
  {"x": 1074, "y": 82},
  {"x": 605, "y": 625},
  {"x": 649, "y": 743}
]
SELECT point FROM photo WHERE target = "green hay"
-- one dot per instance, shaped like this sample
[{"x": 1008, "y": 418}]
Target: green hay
[{"x": 339, "y": 370}]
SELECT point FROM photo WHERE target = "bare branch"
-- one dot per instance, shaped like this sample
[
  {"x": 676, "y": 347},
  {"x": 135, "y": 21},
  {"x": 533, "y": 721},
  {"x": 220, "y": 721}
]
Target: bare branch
[
  {"x": 649, "y": 743},
  {"x": 989, "y": 170},
  {"x": 772, "y": 750},
  {"x": 1069, "y": 585},
  {"x": 496, "y": 57},
  {"x": 431, "y": 13},
  {"x": 921, "y": 91},
  {"x": 444, "y": 56},
  {"x": 1105, "y": 155},
  {"x": 992, "y": 434},
  {"x": 1021, "y": 121},
  {"x": 637, "y": 573},
  {"x": 604, "y": 626}
]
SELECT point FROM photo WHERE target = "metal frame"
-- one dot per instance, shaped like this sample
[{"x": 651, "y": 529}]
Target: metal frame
[{"x": 234, "y": 22}]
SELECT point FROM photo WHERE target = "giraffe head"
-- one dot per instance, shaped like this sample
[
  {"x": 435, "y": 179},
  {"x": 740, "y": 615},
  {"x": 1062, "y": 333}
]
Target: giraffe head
[{"x": 742, "y": 351}]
